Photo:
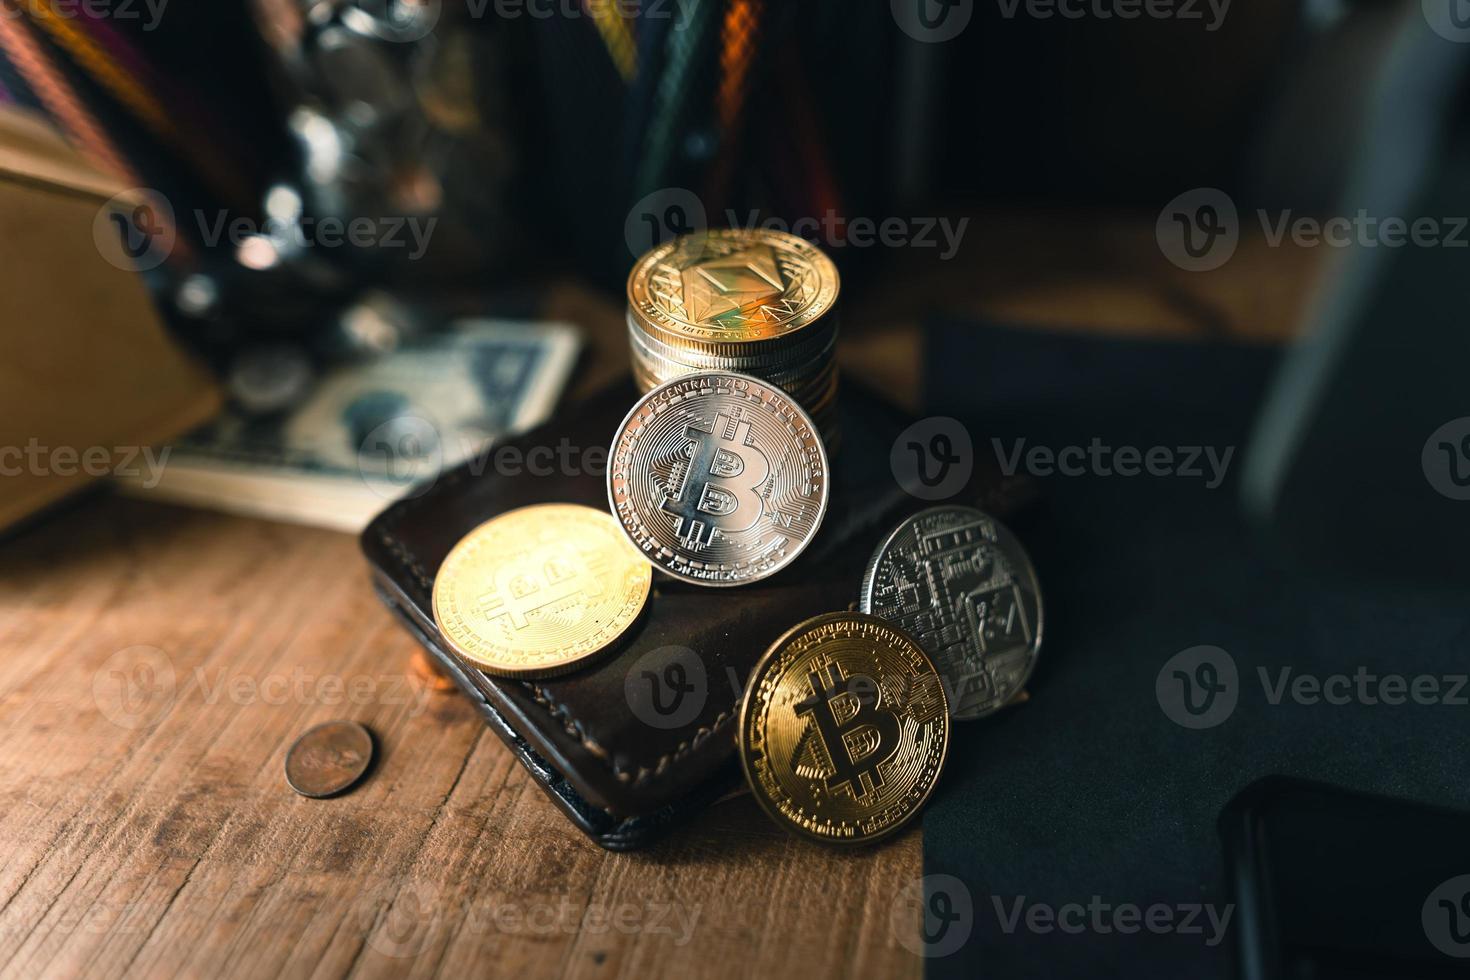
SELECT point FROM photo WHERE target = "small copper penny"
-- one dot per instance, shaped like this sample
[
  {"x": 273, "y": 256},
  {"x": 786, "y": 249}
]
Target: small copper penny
[{"x": 329, "y": 758}]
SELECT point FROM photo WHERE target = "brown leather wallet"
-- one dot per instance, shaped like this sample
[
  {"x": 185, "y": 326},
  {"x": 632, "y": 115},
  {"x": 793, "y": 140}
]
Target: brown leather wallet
[{"x": 644, "y": 735}]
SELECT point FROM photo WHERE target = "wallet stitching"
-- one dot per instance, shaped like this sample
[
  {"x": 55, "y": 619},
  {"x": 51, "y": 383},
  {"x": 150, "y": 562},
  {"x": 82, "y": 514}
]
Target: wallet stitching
[
  {"x": 556, "y": 709},
  {"x": 573, "y": 727}
]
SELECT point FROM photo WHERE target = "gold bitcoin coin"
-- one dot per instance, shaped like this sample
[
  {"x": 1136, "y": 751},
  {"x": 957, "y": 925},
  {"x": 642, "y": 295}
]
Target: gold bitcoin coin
[
  {"x": 726, "y": 291},
  {"x": 539, "y": 589},
  {"x": 718, "y": 479},
  {"x": 844, "y": 729}
]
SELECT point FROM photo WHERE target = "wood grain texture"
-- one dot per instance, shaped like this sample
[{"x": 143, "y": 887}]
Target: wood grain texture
[{"x": 156, "y": 663}]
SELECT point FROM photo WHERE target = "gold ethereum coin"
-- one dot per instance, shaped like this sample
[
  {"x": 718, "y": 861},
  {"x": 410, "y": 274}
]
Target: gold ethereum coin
[
  {"x": 844, "y": 729},
  {"x": 538, "y": 590},
  {"x": 726, "y": 291}
]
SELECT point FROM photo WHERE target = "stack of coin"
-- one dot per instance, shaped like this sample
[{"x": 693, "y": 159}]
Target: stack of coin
[{"x": 748, "y": 301}]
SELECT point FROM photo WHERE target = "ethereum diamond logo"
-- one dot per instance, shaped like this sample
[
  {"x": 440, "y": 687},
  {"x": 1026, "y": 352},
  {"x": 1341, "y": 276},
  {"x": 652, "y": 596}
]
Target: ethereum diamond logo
[{"x": 738, "y": 284}]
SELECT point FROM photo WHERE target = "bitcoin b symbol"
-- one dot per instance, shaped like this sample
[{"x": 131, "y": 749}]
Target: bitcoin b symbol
[
  {"x": 857, "y": 741},
  {"x": 721, "y": 486},
  {"x": 540, "y": 582}
]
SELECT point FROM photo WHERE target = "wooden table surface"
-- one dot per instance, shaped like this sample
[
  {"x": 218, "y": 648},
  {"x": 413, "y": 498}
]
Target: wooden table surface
[{"x": 156, "y": 663}]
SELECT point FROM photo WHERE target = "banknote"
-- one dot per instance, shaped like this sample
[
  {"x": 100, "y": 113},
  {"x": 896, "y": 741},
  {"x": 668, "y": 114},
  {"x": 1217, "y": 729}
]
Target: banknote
[{"x": 371, "y": 432}]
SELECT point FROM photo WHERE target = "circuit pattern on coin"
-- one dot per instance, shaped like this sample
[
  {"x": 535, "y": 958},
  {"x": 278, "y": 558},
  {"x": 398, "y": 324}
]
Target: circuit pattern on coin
[
  {"x": 718, "y": 478},
  {"x": 961, "y": 583},
  {"x": 734, "y": 285},
  {"x": 537, "y": 590},
  {"x": 844, "y": 729}
]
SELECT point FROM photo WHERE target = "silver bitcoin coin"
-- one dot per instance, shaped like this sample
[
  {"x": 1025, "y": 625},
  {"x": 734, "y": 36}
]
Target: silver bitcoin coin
[
  {"x": 718, "y": 478},
  {"x": 963, "y": 586}
]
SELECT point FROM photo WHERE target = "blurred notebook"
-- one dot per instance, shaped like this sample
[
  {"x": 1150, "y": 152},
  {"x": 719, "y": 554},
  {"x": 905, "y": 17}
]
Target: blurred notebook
[
  {"x": 89, "y": 379},
  {"x": 369, "y": 433}
]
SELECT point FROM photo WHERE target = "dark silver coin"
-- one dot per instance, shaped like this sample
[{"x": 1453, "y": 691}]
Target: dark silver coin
[{"x": 963, "y": 586}]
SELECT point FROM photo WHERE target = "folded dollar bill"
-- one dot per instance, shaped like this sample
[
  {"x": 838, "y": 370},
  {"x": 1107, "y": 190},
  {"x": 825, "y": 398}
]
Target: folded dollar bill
[{"x": 370, "y": 432}]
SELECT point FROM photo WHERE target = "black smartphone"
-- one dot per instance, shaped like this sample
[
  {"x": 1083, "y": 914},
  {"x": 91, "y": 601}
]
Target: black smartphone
[{"x": 1329, "y": 883}]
